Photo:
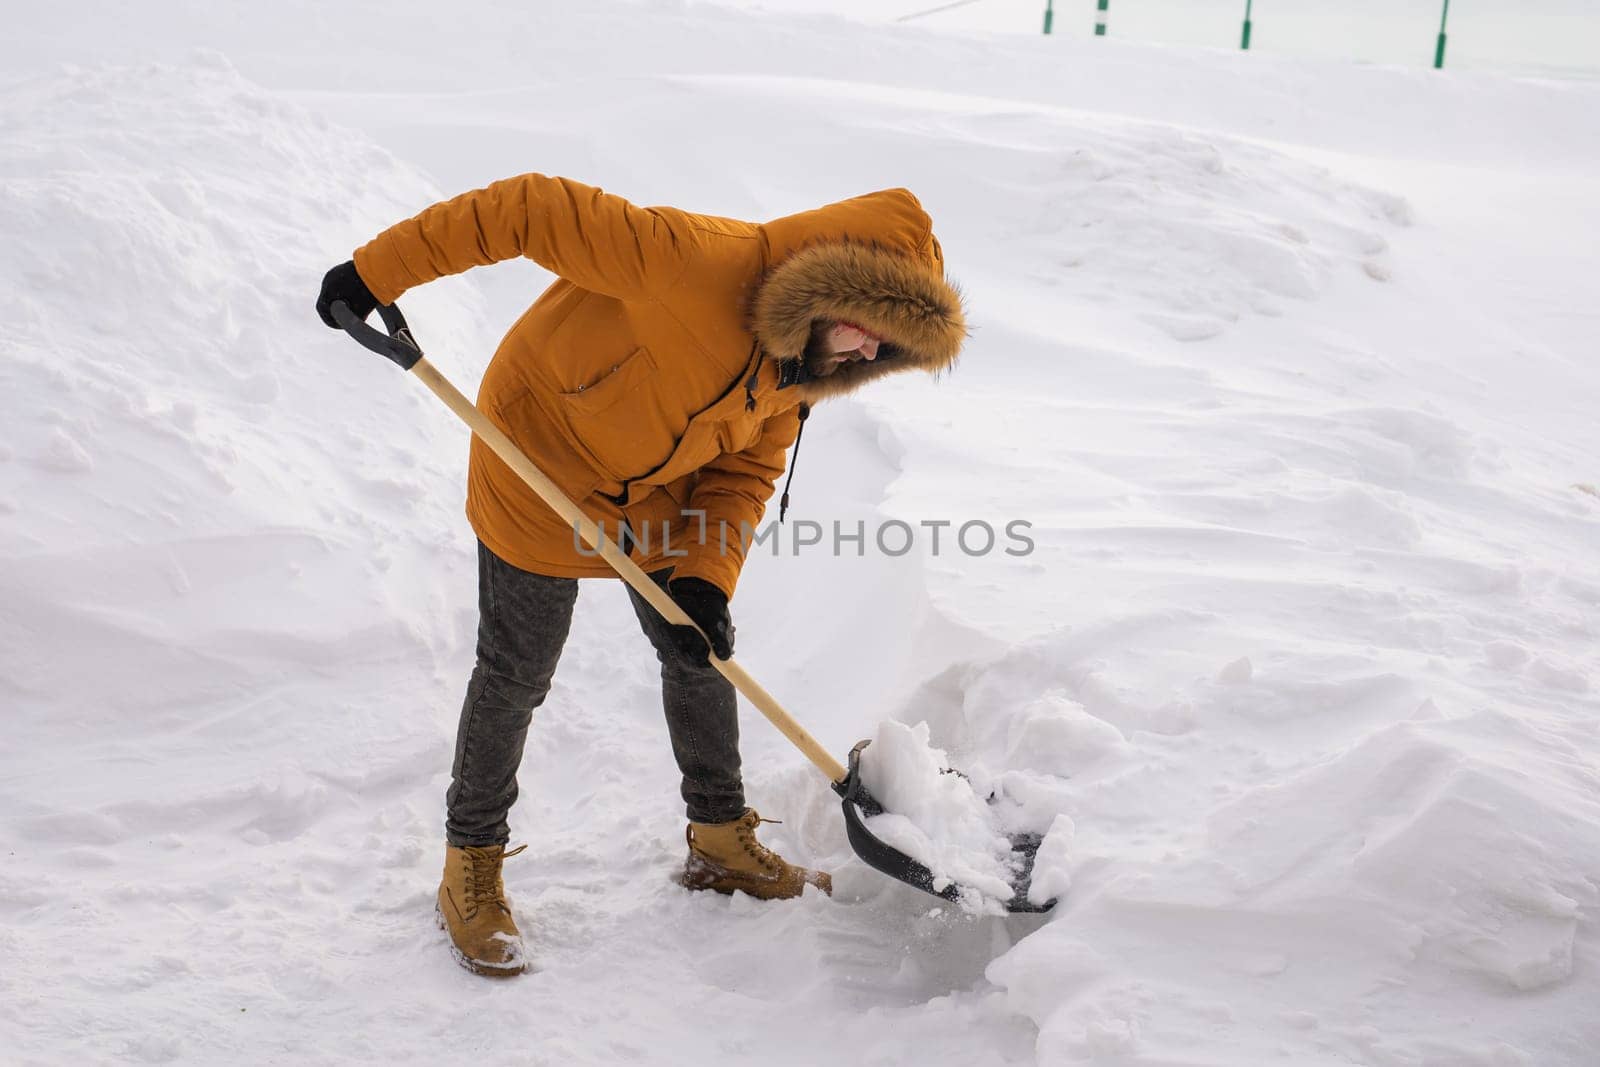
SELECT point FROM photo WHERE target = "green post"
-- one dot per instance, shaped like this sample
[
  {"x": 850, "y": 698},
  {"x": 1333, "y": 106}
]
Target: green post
[
  {"x": 1438, "y": 52},
  {"x": 1049, "y": 14},
  {"x": 1244, "y": 41},
  {"x": 1100, "y": 18}
]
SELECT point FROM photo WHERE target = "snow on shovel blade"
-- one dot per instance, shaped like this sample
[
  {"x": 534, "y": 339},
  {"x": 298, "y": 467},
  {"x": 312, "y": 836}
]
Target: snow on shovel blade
[{"x": 860, "y": 805}]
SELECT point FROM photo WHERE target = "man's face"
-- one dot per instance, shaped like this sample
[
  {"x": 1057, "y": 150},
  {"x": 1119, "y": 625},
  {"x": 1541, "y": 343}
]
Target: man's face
[{"x": 833, "y": 344}]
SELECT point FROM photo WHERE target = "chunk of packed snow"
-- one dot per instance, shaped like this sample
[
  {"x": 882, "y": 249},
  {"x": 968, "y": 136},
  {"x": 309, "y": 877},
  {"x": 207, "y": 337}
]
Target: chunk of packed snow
[
  {"x": 1238, "y": 672},
  {"x": 1052, "y": 874},
  {"x": 934, "y": 816}
]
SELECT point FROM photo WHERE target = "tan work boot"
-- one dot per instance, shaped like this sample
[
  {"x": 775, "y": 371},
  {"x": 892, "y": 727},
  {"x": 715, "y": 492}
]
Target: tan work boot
[
  {"x": 727, "y": 857},
  {"x": 473, "y": 910}
]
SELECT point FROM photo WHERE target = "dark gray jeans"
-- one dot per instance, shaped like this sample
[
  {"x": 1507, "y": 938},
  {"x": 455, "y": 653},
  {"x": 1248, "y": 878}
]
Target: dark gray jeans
[{"x": 523, "y": 620}]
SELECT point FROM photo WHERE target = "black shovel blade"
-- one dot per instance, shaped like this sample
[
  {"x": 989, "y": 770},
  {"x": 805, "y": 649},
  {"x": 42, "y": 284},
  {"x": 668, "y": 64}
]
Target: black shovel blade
[{"x": 860, "y": 805}]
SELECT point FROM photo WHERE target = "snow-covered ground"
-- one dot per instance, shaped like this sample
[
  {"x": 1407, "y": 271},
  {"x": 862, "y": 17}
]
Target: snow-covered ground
[{"x": 1289, "y": 363}]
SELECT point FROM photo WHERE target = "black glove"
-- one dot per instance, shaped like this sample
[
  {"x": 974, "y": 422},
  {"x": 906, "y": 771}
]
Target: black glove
[
  {"x": 343, "y": 283},
  {"x": 706, "y": 605}
]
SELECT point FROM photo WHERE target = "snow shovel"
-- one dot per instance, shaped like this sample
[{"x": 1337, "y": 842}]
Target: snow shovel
[{"x": 400, "y": 347}]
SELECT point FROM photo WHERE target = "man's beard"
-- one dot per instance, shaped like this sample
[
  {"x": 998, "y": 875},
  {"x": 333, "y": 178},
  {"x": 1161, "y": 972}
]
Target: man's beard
[{"x": 818, "y": 360}]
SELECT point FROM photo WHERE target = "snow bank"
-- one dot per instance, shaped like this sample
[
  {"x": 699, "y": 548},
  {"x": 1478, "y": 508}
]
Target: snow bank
[
  {"x": 1410, "y": 853},
  {"x": 196, "y": 470}
]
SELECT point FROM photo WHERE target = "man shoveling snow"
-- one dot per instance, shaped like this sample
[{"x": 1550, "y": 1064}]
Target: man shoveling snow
[{"x": 659, "y": 382}]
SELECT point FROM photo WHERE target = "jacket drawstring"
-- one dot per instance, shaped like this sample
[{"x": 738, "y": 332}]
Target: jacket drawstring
[
  {"x": 783, "y": 501},
  {"x": 750, "y": 385},
  {"x": 754, "y": 380}
]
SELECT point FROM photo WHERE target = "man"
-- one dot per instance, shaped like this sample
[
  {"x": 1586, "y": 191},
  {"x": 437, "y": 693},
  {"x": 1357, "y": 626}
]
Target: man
[{"x": 659, "y": 382}]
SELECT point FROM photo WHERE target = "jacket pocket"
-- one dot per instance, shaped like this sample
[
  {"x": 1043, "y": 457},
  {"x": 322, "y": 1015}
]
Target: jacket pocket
[
  {"x": 614, "y": 386},
  {"x": 622, "y": 422}
]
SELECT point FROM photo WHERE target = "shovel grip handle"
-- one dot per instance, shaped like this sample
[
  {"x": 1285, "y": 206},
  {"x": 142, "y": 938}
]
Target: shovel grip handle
[{"x": 397, "y": 345}]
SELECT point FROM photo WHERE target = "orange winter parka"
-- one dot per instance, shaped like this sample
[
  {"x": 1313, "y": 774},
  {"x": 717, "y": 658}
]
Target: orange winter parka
[{"x": 649, "y": 381}]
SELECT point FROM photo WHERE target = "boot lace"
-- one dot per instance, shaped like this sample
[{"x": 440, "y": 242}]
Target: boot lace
[
  {"x": 752, "y": 845},
  {"x": 484, "y": 885}
]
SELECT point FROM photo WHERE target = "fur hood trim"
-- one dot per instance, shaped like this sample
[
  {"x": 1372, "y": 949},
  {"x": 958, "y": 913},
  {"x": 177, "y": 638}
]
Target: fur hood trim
[{"x": 904, "y": 300}]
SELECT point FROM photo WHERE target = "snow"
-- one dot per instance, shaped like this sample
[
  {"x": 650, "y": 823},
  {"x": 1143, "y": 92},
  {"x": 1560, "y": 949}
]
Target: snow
[
  {"x": 1286, "y": 361},
  {"x": 937, "y": 818},
  {"x": 1541, "y": 37}
]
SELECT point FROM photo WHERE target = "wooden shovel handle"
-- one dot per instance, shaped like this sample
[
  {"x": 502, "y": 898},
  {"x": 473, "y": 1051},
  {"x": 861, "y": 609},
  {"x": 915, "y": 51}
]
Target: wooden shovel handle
[{"x": 629, "y": 571}]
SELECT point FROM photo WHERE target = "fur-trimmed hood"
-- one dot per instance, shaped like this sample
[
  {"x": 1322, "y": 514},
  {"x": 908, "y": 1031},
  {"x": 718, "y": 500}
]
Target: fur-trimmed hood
[
  {"x": 898, "y": 293},
  {"x": 635, "y": 379}
]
